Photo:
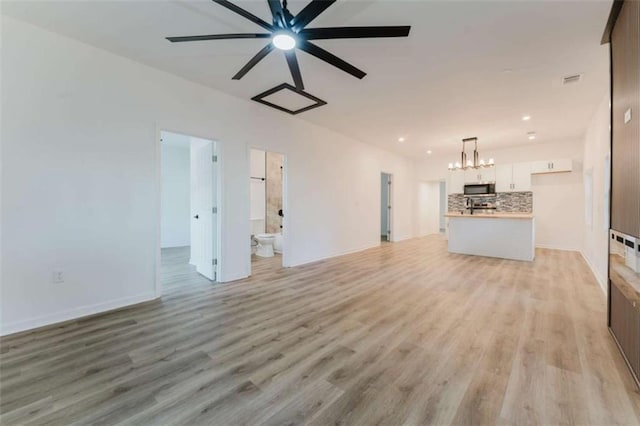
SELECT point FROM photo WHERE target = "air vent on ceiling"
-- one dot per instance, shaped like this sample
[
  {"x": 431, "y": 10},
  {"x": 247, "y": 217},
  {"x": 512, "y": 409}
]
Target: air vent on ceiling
[{"x": 570, "y": 79}]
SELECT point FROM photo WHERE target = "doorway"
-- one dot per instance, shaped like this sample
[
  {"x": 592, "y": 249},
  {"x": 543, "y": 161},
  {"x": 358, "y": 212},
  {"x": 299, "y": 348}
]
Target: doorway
[
  {"x": 443, "y": 206},
  {"x": 385, "y": 206},
  {"x": 267, "y": 209},
  {"x": 189, "y": 225}
]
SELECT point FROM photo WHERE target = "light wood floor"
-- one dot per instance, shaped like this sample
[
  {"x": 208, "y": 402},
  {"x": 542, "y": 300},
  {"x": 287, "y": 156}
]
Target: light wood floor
[
  {"x": 176, "y": 270},
  {"x": 401, "y": 334}
]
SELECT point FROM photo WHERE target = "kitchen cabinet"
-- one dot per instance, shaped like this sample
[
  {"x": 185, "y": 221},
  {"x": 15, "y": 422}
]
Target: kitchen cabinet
[
  {"x": 623, "y": 33},
  {"x": 552, "y": 166},
  {"x": 625, "y": 324},
  {"x": 513, "y": 177},
  {"x": 625, "y": 105},
  {"x": 522, "y": 177},
  {"x": 455, "y": 182},
  {"x": 487, "y": 174},
  {"x": 504, "y": 177},
  {"x": 502, "y": 235}
]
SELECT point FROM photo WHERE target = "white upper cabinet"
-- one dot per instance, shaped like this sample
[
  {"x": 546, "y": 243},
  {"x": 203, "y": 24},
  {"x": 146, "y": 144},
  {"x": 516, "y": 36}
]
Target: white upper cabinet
[
  {"x": 455, "y": 183},
  {"x": 480, "y": 175},
  {"x": 504, "y": 178},
  {"x": 521, "y": 177},
  {"x": 552, "y": 166},
  {"x": 488, "y": 174},
  {"x": 513, "y": 177}
]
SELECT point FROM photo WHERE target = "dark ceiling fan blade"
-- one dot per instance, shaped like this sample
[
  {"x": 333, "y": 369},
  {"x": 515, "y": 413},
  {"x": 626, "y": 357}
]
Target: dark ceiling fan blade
[
  {"x": 217, "y": 37},
  {"x": 240, "y": 11},
  {"x": 330, "y": 58},
  {"x": 309, "y": 13},
  {"x": 292, "y": 60},
  {"x": 355, "y": 32},
  {"x": 278, "y": 13},
  {"x": 252, "y": 63}
]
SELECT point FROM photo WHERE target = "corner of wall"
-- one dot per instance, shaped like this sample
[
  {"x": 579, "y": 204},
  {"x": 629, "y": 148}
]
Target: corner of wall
[{"x": 600, "y": 278}]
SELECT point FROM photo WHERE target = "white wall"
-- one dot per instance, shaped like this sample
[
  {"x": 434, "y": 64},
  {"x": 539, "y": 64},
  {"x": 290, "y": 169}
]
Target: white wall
[
  {"x": 558, "y": 198},
  {"x": 428, "y": 208},
  {"x": 176, "y": 189},
  {"x": 596, "y": 156},
  {"x": 80, "y": 186}
]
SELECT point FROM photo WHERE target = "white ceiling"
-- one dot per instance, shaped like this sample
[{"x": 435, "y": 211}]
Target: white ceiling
[{"x": 468, "y": 68}]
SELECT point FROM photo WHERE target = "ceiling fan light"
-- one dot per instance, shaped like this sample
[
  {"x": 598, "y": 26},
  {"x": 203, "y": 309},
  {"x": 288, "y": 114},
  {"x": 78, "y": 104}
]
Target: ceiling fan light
[{"x": 284, "y": 41}]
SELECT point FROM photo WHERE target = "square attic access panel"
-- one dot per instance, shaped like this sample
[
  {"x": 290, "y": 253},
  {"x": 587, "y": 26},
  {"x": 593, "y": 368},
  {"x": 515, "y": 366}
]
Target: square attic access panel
[{"x": 288, "y": 99}]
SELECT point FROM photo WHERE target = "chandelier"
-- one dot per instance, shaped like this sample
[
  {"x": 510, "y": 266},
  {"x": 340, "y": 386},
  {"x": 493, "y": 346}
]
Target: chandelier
[{"x": 476, "y": 163}]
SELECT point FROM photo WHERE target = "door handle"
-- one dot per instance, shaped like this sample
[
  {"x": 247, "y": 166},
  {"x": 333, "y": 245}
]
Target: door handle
[{"x": 196, "y": 217}]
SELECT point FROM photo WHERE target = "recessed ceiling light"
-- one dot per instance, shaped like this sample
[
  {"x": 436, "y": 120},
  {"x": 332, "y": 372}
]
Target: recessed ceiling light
[
  {"x": 531, "y": 135},
  {"x": 526, "y": 117},
  {"x": 429, "y": 152},
  {"x": 401, "y": 139},
  {"x": 284, "y": 41}
]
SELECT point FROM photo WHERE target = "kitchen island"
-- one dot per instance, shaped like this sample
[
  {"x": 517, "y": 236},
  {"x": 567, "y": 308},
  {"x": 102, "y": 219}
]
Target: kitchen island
[{"x": 503, "y": 235}]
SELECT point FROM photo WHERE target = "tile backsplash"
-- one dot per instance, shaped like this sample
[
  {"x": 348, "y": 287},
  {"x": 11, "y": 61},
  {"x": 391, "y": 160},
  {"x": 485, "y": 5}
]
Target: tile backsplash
[
  {"x": 505, "y": 202},
  {"x": 514, "y": 202}
]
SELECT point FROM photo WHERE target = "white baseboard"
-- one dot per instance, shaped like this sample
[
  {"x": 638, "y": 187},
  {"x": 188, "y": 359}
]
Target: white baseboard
[
  {"x": 555, "y": 247},
  {"x": 71, "y": 314},
  {"x": 236, "y": 277},
  {"x": 397, "y": 240},
  {"x": 602, "y": 284},
  {"x": 337, "y": 254}
]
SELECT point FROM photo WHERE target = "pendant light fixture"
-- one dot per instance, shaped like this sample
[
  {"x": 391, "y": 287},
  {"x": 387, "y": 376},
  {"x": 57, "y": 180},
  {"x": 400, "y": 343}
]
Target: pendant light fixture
[{"x": 475, "y": 163}]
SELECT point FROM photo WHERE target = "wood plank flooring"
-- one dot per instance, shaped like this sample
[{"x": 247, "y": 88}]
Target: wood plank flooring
[{"x": 402, "y": 334}]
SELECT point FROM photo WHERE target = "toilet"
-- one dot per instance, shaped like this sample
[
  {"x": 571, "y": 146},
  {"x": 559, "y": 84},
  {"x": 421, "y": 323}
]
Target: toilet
[
  {"x": 265, "y": 245},
  {"x": 277, "y": 243}
]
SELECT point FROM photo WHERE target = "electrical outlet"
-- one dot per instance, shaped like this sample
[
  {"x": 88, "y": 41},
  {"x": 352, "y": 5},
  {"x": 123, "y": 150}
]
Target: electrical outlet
[{"x": 57, "y": 276}]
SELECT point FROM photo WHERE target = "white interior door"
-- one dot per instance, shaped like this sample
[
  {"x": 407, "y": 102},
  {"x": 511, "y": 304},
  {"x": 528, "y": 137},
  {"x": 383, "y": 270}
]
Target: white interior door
[
  {"x": 203, "y": 211},
  {"x": 389, "y": 212},
  {"x": 386, "y": 206}
]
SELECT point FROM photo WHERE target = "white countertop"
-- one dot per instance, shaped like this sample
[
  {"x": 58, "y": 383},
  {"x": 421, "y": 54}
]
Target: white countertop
[{"x": 492, "y": 215}]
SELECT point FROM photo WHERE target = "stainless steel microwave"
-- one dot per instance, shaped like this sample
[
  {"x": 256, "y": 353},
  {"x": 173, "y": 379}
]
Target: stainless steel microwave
[{"x": 480, "y": 189}]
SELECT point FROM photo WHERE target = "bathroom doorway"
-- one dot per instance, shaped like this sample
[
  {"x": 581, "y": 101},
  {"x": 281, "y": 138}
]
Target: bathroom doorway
[
  {"x": 443, "y": 207},
  {"x": 189, "y": 225},
  {"x": 385, "y": 206},
  {"x": 267, "y": 209}
]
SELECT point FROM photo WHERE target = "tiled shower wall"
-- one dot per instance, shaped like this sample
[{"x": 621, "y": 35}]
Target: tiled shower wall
[
  {"x": 505, "y": 202},
  {"x": 274, "y": 164}
]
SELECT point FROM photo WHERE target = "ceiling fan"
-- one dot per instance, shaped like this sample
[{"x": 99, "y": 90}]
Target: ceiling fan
[{"x": 288, "y": 32}]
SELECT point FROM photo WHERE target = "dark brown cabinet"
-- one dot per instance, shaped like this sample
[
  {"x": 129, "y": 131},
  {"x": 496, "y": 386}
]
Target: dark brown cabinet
[
  {"x": 623, "y": 33},
  {"x": 625, "y": 325},
  {"x": 625, "y": 120}
]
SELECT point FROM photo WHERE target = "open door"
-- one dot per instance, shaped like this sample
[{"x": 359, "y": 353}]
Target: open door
[
  {"x": 385, "y": 207},
  {"x": 204, "y": 211}
]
